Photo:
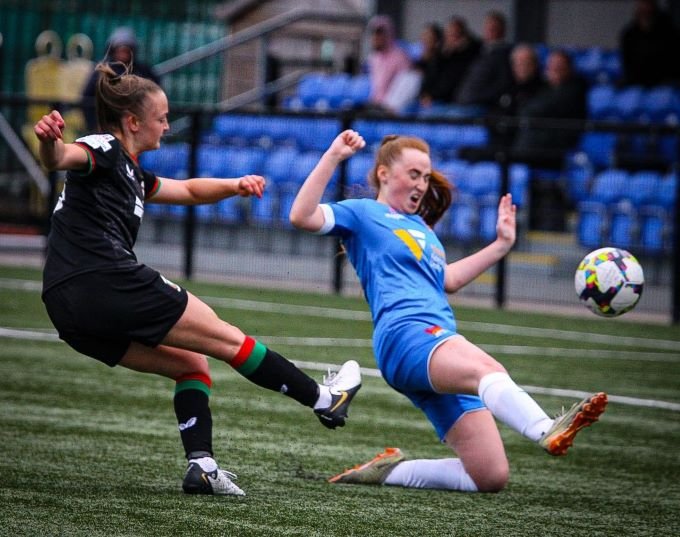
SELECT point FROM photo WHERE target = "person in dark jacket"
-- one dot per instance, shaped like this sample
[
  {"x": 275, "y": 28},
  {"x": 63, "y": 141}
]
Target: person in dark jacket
[{"x": 122, "y": 50}]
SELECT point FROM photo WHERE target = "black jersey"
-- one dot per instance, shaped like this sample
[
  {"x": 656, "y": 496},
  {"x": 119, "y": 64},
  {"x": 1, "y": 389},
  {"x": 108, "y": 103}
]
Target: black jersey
[{"x": 97, "y": 216}]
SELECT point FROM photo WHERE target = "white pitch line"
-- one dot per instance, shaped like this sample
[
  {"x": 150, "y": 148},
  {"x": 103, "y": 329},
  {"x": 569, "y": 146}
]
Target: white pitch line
[
  {"x": 14, "y": 333},
  {"x": 519, "y": 350},
  {"x": 355, "y": 315}
]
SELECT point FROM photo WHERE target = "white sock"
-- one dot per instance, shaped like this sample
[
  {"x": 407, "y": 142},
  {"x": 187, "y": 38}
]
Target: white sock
[
  {"x": 207, "y": 464},
  {"x": 432, "y": 474},
  {"x": 324, "y": 400},
  {"x": 513, "y": 406}
]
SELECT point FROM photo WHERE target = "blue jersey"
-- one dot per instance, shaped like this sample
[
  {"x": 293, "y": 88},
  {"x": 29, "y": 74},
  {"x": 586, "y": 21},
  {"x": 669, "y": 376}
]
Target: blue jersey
[{"x": 399, "y": 261}]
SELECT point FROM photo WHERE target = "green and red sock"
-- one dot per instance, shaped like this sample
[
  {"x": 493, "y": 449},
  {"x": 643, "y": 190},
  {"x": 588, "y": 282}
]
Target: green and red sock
[{"x": 270, "y": 370}]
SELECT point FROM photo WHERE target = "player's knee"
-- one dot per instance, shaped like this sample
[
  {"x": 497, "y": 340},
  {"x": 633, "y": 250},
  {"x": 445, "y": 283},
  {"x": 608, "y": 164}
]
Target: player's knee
[{"x": 494, "y": 478}]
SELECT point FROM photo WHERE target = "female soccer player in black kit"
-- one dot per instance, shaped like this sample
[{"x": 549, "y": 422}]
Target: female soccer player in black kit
[{"x": 107, "y": 305}]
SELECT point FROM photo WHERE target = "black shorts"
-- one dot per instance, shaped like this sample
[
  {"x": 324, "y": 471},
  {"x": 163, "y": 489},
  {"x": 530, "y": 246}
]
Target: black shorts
[{"x": 100, "y": 313}]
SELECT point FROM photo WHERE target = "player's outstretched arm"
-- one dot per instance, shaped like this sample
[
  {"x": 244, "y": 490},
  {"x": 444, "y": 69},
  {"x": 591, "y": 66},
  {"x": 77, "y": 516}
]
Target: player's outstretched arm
[
  {"x": 461, "y": 272},
  {"x": 305, "y": 212},
  {"x": 207, "y": 190},
  {"x": 54, "y": 153}
]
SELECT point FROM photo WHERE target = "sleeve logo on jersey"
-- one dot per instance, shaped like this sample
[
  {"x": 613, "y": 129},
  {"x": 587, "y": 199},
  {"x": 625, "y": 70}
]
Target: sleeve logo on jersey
[
  {"x": 414, "y": 239},
  {"x": 436, "y": 331},
  {"x": 97, "y": 141},
  {"x": 171, "y": 284}
]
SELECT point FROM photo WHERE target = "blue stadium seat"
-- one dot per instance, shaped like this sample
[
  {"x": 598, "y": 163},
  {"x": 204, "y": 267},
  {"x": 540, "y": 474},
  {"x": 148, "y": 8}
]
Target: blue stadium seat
[
  {"x": 304, "y": 164},
  {"x": 170, "y": 160},
  {"x": 579, "y": 174},
  {"x": 609, "y": 186},
  {"x": 455, "y": 171},
  {"x": 278, "y": 164},
  {"x": 599, "y": 146},
  {"x": 488, "y": 216},
  {"x": 358, "y": 91},
  {"x": 628, "y": 102},
  {"x": 592, "y": 223},
  {"x": 286, "y": 196},
  {"x": 658, "y": 103},
  {"x": 483, "y": 178},
  {"x": 463, "y": 220},
  {"x": 309, "y": 89},
  {"x": 316, "y": 134},
  {"x": 623, "y": 225},
  {"x": 229, "y": 210},
  {"x": 600, "y": 101},
  {"x": 520, "y": 174},
  {"x": 653, "y": 225},
  {"x": 263, "y": 210},
  {"x": 667, "y": 191},
  {"x": 641, "y": 187}
]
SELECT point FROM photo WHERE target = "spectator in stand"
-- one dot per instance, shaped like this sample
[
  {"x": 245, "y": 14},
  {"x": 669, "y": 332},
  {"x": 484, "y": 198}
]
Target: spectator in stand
[
  {"x": 430, "y": 59},
  {"x": 526, "y": 79},
  {"x": 121, "y": 51},
  {"x": 526, "y": 83},
  {"x": 490, "y": 74},
  {"x": 649, "y": 46},
  {"x": 459, "y": 50},
  {"x": 564, "y": 97},
  {"x": 386, "y": 60}
]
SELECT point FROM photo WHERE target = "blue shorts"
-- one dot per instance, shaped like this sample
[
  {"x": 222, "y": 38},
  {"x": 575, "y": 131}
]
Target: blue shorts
[{"x": 403, "y": 355}]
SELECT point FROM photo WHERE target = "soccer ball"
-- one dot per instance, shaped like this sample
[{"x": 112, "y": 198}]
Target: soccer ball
[{"x": 609, "y": 281}]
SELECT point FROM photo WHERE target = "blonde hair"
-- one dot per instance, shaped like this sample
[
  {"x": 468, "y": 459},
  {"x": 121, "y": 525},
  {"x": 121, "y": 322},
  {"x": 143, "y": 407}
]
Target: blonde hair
[
  {"x": 437, "y": 198},
  {"x": 119, "y": 94}
]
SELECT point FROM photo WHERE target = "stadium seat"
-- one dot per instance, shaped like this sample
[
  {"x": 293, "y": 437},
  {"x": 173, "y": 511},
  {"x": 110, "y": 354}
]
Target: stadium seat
[
  {"x": 263, "y": 210},
  {"x": 170, "y": 160},
  {"x": 520, "y": 175},
  {"x": 658, "y": 103},
  {"x": 578, "y": 173},
  {"x": 455, "y": 171},
  {"x": 600, "y": 101},
  {"x": 623, "y": 225},
  {"x": 483, "y": 178},
  {"x": 599, "y": 147},
  {"x": 667, "y": 191},
  {"x": 303, "y": 165},
  {"x": 463, "y": 218},
  {"x": 641, "y": 188},
  {"x": 316, "y": 134},
  {"x": 653, "y": 224},
  {"x": 358, "y": 92},
  {"x": 309, "y": 89},
  {"x": 592, "y": 223},
  {"x": 229, "y": 210},
  {"x": 609, "y": 186},
  {"x": 286, "y": 196},
  {"x": 278, "y": 164},
  {"x": 488, "y": 217},
  {"x": 628, "y": 102}
]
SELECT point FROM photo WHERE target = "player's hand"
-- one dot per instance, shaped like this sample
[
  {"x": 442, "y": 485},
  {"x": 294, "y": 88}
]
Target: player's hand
[
  {"x": 346, "y": 144},
  {"x": 50, "y": 127},
  {"x": 506, "y": 225},
  {"x": 251, "y": 185}
]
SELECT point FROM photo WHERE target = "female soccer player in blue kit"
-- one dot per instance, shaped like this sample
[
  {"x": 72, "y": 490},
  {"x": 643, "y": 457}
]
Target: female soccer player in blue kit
[
  {"x": 405, "y": 277},
  {"x": 107, "y": 305}
]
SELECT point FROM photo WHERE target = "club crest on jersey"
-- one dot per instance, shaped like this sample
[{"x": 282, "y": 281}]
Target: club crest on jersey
[
  {"x": 130, "y": 172},
  {"x": 414, "y": 239},
  {"x": 436, "y": 331}
]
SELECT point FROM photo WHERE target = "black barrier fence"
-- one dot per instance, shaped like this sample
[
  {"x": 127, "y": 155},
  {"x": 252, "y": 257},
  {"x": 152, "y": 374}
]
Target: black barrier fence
[{"x": 616, "y": 186}]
